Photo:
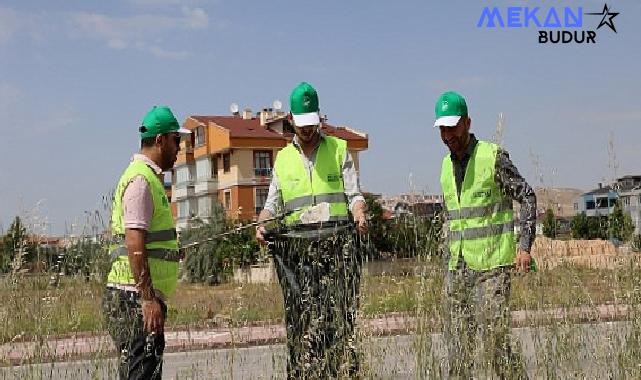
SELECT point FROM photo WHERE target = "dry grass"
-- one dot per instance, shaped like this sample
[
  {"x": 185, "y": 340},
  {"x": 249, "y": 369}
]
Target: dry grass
[{"x": 31, "y": 309}]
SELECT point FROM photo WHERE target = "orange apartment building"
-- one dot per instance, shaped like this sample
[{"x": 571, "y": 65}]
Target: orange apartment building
[{"x": 229, "y": 160}]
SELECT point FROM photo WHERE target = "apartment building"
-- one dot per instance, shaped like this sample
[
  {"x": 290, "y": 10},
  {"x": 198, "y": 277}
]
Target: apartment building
[
  {"x": 229, "y": 159},
  {"x": 601, "y": 201},
  {"x": 629, "y": 188}
]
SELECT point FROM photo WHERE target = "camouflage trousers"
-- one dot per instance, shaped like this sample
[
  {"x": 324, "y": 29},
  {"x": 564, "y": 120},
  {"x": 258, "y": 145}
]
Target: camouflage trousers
[
  {"x": 476, "y": 305},
  {"x": 320, "y": 281}
]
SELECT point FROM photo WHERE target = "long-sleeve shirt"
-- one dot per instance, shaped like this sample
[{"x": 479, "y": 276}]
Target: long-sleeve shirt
[
  {"x": 274, "y": 202},
  {"x": 511, "y": 183}
]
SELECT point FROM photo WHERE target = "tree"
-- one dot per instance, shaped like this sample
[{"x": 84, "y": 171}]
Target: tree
[
  {"x": 16, "y": 249},
  {"x": 579, "y": 226},
  {"x": 378, "y": 228},
  {"x": 620, "y": 226},
  {"x": 549, "y": 224}
]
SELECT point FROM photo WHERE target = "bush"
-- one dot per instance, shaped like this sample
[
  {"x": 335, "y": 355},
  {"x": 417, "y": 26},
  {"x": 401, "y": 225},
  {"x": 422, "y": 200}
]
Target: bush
[
  {"x": 212, "y": 262},
  {"x": 589, "y": 227},
  {"x": 413, "y": 236}
]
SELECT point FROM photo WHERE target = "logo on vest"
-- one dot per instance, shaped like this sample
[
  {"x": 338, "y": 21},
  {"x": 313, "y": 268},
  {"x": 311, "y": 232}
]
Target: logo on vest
[
  {"x": 482, "y": 194},
  {"x": 333, "y": 178}
]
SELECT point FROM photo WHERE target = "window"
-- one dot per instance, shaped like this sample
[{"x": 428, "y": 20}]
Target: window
[
  {"x": 589, "y": 205},
  {"x": 612, "y": 202},
  {"x": 261, "y": 198},
  {"x": 602, "y": 202},
  {"x": 182, "y": 209},
  {"x": 226, "y": 162},
  {"x": 262, "y": 163},
  {"x": 214, "y": 167},
  {"x": 200, "y": 135},
  {"x": 204, "y": 207},
  {"x": 203, "y": 169},
  {"x": 227, "y": 199},
  {"x": 182, "y": 175}
]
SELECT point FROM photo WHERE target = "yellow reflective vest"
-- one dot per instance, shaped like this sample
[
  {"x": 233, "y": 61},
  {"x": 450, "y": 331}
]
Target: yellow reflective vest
[
  {"x": 481, "y": 220},
  {"x": 300, "y": 191},
  {"x": 161, "y": 245}
]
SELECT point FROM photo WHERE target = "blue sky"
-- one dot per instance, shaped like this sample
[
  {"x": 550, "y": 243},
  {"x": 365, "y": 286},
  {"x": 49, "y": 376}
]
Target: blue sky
[{"x": 76, "y": 77}]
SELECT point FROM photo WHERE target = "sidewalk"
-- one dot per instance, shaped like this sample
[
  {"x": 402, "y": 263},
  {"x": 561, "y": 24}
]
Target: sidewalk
[{"x": 63, "y": 349}]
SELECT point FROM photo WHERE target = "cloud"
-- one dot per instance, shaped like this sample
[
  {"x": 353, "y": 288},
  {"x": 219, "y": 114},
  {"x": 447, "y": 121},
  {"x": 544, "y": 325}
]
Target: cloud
[
  {"x": 159, "y": 52},
  {"x": 23, "y": 115},
  {"x": 136, "y": 31},
  {"x": 196, "y": 18}
]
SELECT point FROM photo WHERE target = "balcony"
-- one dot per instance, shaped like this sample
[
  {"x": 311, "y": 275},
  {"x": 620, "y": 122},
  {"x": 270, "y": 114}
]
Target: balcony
[
  {"x": 262, "y": 172},
  {"x": 206, "y": 186},
  {"x": 183, "y": 192}
]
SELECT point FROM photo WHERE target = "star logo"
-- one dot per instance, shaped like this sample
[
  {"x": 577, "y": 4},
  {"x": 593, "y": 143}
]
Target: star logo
[
  {"x": 444, "y": 106},
  {"x": 607, "y": 18}
]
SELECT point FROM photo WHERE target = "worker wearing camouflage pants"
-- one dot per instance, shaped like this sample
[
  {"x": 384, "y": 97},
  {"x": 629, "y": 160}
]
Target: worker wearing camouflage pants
[
  {"x": 314, "y": 189},
  {"x": 320, "y": 281},
  {"x": 480, "y": 184},
  {"x": 476, "y": 303}
]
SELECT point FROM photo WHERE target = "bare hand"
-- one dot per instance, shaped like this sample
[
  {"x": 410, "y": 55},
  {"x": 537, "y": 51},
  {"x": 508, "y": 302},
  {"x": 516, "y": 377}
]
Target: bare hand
[
  {"x": 361, "y": 223},
  {"x": 152, "y": 316},
  {"x": 523, "y": 260},
  {"x": 260, "y": 235},
  {"x": 360, "y": 218}
]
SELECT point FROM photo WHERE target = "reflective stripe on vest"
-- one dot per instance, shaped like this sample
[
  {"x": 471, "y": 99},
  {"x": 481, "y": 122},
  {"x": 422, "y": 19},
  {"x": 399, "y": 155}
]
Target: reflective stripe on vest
[
  {"x": 162, "y": 254},
  {"x": 479, "y": 211},
  {"x": 160, "y": 241},
  {"x": 299, "y": 190},
  {"x": 155, "y": 236},
  {"x": 480, "y": 219},
  {"x": 482, "y": 232},
  {"x": 310, "y": 200}
]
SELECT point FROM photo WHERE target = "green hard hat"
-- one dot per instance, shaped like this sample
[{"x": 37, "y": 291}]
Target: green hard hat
[
  {"x": 160, "y": 120},
  {"x": 449, "y": 108},
  {"x": 303, "y": 103}
]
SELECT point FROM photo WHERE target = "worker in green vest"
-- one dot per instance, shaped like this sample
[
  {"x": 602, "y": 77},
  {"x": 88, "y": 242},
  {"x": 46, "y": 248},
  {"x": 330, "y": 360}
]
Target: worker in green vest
[
  {"x": 480, "y": 183},
  {"x": 318, "y": 265},
  {"x": 144, "y": 270}
]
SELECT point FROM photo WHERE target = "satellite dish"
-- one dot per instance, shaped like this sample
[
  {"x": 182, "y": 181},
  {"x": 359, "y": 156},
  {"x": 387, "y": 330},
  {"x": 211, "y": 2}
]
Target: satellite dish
[
  {"x": 233, "y": 108},
  {"x": 277, "y": 105}
]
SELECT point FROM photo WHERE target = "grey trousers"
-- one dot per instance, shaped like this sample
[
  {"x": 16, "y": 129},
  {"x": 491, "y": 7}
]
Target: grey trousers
[{"x": 476, "y": 305}]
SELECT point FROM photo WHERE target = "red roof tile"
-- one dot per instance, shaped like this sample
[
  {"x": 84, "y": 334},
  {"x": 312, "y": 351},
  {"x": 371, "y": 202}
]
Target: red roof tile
[{"x": 239, "y": 127}]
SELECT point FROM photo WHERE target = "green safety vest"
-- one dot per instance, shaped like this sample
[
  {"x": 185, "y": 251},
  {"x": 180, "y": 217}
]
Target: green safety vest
[
  {"x": 161, "y": 245},
  {"x": 481, "y": 220},
  {"x": 300, "y": 191}
]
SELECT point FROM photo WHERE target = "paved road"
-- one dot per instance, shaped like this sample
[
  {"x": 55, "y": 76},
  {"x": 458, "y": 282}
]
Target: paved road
[{"x": 588, "y": 351}]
